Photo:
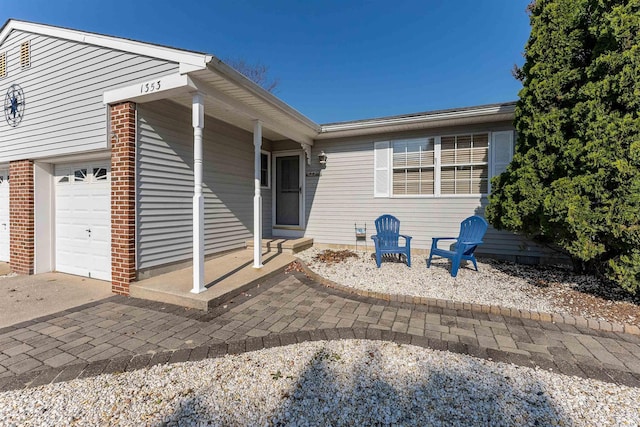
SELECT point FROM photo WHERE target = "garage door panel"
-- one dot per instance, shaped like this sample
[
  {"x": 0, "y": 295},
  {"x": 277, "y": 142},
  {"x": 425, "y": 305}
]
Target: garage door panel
[{"x": 83, "y": 221}]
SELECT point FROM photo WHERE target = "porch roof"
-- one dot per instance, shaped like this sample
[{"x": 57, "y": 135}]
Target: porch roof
[{"x": 228, "y": 96}]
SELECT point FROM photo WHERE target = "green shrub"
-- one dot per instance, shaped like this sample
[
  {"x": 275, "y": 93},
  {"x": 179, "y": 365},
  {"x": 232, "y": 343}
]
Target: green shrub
[{"x": 574, "y": 182}]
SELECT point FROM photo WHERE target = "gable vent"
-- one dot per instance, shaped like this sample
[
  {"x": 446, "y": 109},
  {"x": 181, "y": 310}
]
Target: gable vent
[
  {"x": 25, "y": 55},
  {"x": 3, "y": 65}
]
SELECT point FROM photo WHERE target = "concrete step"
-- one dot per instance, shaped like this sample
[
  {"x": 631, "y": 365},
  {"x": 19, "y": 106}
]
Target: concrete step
[{"x": 283, "y": 245}]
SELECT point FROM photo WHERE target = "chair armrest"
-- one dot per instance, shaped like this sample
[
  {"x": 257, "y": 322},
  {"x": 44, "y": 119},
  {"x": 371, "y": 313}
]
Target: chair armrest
[
  {"x": 479, "y": 242},
  {"x": 406, "y": 238},
  {"x": 435, "y": 239}
]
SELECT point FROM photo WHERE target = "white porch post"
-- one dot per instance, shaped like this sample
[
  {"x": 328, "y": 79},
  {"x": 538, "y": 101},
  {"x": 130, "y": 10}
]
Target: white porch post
[
  {"x": 198, "y": 198},
  {"x": 257, "y": 198}
]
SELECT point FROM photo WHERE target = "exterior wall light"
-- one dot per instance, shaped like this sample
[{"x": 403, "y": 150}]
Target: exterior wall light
[{"x": 322, "y": 157}]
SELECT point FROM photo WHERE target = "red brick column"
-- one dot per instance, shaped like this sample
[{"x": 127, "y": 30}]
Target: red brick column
[
  {"x": 21, "y": 216},
  {"x": 123, "y": 197}
]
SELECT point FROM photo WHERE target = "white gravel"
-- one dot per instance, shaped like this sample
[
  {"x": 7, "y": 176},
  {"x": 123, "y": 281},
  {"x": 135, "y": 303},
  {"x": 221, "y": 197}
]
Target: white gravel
[
  {"x": 495, "y": 283},
  {"x": 350, "y": 382}
]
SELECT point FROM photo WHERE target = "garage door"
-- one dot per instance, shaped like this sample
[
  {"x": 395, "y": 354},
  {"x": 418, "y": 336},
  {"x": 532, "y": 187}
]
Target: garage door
[
  {"x": 4, "y": 215},
  {"x": 83, "y": 220}
]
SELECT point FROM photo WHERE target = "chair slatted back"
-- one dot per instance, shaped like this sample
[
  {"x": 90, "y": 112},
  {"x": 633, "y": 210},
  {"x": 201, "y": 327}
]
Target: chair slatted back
[
  {"x": 388, "y": 229},
  {"x": 472, "y": 229}
]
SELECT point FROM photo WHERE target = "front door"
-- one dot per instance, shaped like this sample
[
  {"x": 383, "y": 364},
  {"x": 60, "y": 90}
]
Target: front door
[{"x": 288, "y": 194}]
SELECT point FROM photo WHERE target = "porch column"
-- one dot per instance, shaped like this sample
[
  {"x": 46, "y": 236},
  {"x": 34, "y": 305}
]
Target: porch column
[
  {"x": 198, "y": 198},
  {"x": 257, "y": 198}
]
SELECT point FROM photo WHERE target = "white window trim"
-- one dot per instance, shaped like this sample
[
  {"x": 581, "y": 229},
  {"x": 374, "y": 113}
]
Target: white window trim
[
  {"x": 437, "y": 168},
  {"x": 268, "y": 186}
]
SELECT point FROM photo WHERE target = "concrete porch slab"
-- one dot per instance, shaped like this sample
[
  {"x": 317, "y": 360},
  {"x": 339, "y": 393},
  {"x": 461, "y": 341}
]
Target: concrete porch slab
[
  {"x": 4, "y": 268},
  {"x": 225, "y": 277},
  {"x": 284, "y": 245}
]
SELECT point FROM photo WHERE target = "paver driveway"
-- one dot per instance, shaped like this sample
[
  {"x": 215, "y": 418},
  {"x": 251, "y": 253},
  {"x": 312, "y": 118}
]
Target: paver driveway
[{"x": 121, "y": 333}]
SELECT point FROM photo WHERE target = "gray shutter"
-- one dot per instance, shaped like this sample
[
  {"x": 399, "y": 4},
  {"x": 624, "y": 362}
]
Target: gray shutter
[
  {"x": 382, "y": 169},
  {"x": 501, "y": 151}
]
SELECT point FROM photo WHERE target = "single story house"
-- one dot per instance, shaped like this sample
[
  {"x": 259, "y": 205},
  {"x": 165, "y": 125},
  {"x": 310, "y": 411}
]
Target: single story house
[{"x": 121, "y": 159}]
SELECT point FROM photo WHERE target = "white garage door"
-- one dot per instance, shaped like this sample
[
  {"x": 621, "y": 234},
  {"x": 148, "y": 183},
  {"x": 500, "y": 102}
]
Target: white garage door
[
  {"x": 4, "y": 215},
  {"x": 83, "y": 220}
]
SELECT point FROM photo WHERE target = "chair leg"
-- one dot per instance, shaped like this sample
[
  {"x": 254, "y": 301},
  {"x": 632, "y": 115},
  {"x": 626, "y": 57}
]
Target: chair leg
[
  {"x": 378, "y": 258},
  {"x": 429, "y": 260},
  {"x": 408, "y": 259},
  {"x": 473, "y": 260},
  {"x": 455, "y": 265}
]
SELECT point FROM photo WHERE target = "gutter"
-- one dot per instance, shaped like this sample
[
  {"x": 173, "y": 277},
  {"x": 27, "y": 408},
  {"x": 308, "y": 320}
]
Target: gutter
[{"x": 459, "y": 113}]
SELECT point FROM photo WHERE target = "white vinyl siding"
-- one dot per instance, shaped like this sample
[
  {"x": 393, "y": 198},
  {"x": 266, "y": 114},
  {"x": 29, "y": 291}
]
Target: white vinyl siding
[
  {"x": 63, "y": 87},
  {"x": 342, "y": 195},
  {"x": 164, "y": 178}
]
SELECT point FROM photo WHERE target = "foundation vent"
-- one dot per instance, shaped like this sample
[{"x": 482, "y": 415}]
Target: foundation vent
[
  {"x": 25, "y": 55},
  {"x": 3, "y": 65}
]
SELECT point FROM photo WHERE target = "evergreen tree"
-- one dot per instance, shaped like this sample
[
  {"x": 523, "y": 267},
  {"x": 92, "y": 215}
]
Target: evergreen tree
[{"x": 574, "y": 182}]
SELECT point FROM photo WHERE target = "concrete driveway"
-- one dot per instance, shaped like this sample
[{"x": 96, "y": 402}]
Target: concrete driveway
[{"x": 28, "y": 297}]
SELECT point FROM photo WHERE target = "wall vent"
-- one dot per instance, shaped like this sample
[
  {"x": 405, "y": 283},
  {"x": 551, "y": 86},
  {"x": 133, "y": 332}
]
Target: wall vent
[
  {"x": 25, "y": 55},
  {"x": 3, "y": 65}
]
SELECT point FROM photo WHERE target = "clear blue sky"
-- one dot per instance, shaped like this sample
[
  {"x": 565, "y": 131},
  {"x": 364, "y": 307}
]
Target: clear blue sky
[{"x": 335, "y": 60}]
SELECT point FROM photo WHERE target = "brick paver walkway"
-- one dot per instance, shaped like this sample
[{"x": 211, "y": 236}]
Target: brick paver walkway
[{"x": 119, "y": 333}]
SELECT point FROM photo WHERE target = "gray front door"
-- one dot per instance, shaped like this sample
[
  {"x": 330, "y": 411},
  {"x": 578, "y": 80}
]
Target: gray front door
[{"x": 288, "y": 191}]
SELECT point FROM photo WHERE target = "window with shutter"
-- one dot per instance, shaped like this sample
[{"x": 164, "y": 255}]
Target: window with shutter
[{"x": 435, "y": 166}]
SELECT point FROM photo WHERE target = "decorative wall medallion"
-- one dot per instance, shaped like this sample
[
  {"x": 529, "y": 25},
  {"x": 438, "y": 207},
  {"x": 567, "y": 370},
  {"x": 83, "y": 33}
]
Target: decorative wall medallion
[{"x": 14, "y": 105}]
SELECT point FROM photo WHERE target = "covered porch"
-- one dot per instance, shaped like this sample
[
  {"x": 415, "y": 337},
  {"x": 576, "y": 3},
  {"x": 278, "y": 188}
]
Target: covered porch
[{"x": 216, "y": 92}]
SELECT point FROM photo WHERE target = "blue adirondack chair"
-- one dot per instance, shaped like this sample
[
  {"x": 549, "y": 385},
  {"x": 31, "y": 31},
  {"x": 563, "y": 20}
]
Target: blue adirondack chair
[
  {"x": 472, "y": 231},
  {"x": 387, "y": 239}
]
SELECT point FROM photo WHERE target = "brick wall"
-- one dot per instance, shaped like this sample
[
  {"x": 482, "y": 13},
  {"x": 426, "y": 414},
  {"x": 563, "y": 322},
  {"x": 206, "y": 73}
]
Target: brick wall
[
  {"x": 123, "y": 260},
  {"x": 21, "y": 216}
]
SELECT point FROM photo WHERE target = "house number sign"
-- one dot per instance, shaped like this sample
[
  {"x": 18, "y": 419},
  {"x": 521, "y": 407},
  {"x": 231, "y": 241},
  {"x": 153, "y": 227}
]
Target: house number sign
[{"x": 150, "y": 87}]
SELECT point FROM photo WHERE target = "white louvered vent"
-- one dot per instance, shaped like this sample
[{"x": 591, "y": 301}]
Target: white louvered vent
[
  {"x": 3, "y": 65},
  {"x": 25, "y": 54}
]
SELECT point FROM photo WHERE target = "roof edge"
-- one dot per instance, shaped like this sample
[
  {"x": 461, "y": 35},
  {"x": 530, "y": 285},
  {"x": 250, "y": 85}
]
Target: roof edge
[
  {"x": 427, "y": 116},
  {"x": 167, "y": 53}
]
